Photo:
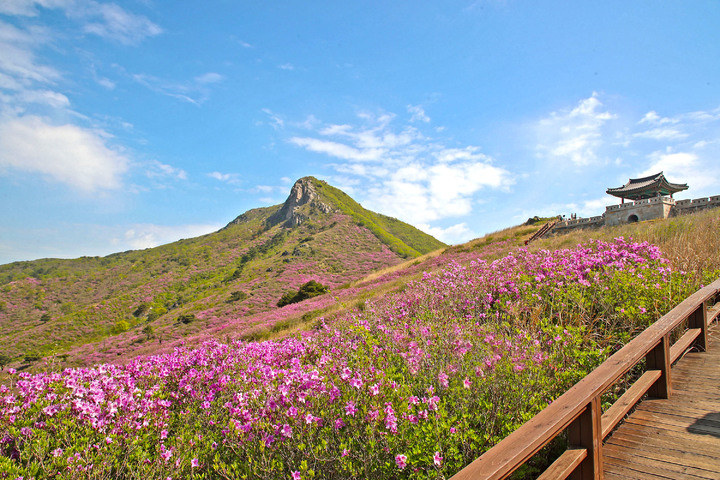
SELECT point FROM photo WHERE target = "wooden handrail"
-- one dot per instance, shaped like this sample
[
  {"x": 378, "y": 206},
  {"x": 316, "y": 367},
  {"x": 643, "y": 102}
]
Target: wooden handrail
[{"x": 578, "y": 408}]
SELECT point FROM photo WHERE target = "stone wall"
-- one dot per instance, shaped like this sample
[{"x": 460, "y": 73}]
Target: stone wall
[
  {"x": 566, "y": 225},
  {"x": 649, "y": 209},
  {"x": 689, "y": 206}
]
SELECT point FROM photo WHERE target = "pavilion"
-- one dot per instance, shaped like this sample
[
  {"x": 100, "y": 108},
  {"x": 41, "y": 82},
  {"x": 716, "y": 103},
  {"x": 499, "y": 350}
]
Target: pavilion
[
  {"x": 647, "y": 187},
  {"x": 649, "y": 198}
]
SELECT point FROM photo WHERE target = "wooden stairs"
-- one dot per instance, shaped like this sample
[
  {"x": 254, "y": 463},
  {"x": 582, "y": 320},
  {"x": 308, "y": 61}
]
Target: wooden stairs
[{"x": 542, "y": 232}]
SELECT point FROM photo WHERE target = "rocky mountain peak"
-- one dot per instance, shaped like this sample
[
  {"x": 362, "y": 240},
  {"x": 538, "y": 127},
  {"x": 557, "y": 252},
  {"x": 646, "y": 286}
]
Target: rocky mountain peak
[
  {"x": 304, "y": 192},
  {"x": 301, "y": 193}
]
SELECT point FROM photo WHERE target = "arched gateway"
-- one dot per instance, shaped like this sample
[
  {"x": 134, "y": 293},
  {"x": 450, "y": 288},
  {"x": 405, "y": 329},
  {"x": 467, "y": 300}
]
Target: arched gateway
[{"x": 649, "y": 197}]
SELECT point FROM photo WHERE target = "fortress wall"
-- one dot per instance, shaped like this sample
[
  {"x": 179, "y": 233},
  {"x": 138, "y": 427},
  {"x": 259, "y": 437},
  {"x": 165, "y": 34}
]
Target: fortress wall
[
  {"x": 688, "y": 206},
  {"x": 649, "y": 209},
  {"x": 658, "y": 207}
]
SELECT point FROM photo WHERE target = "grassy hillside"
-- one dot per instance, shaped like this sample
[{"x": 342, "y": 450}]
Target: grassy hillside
[
  {"x": 136, "y": 302},
  {"x": 402, "y": 238},
  {"x": 425, "y": 366}
]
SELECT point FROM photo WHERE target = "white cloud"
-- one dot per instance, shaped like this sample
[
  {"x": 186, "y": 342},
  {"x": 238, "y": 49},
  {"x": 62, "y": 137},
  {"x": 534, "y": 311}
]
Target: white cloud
[
  {"x": 210, "y": 77},
  {"x": 653, "y": 118},
  {"x": 195, "y": 91},
  {"x": 458, "y": 233},
  {"x": 142, "y": 236},
  {"x": 106, "y": 82},
  {"x": 448, "y": 155},
  {"x": 110, "y": 21},
  {"x": 159, "y": 170},
  {"x": 275, "y": 120},
  {"x": 18, "y": 63},
  {"x": 179, "y": 91},
  {"x": 68, "y": 154},
  {"x": 401, "y": 172},
  {"x": 586, "y": 208},
  {"x": 229, "y": 178},
  {"x": 286, "y": 66},
  {"x": 421, "y": 193},
  {"x": 681, "y": 167},
  {"x": 60, "y": 151},
  {"x": 29, "y": 7},
  {"x": 338, "y": 150},
  {"x": 677, "y": 128},
  {"x": 45, "y": 97},
  {"x": 107, "y": 20},
  {"x": 662, "y": 134},
  {"x": 574, "y": 135},
  {"x": 418, "y": 114}
]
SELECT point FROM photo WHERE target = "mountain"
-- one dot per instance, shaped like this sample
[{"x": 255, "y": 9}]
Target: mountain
[{"x": 224, "y": 284}]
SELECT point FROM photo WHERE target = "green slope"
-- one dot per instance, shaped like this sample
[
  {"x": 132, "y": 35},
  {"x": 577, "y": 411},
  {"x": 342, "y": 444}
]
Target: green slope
[
  {"x": 402, "y": 238},
  {"x": 52, "y": 306}
]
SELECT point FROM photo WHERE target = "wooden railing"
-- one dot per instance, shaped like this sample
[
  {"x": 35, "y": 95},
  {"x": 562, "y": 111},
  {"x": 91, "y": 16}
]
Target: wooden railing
[{"x": 578, "y": 410}]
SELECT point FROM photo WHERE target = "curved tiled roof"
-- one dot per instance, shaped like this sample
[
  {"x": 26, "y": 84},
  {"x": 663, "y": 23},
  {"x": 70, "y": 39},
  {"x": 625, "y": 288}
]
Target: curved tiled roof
[{"x": 647, "y": 187}]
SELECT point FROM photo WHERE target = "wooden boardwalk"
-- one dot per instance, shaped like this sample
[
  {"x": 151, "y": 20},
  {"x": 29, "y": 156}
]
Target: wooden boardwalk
[
  {"x": 677, "y": 438},
  {"x": 674, "y": 438}
]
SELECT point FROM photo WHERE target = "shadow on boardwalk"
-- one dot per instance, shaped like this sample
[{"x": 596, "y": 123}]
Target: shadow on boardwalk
[{"x": 709, "y": 424}]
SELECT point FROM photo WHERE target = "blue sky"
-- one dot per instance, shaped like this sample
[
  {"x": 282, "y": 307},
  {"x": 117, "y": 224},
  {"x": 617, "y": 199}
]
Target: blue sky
[{"x": 127, "y": 125}]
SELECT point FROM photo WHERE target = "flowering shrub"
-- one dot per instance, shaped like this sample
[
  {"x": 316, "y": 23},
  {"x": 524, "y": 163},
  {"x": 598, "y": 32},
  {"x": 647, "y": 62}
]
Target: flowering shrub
[{"x": 416, "y": 385}]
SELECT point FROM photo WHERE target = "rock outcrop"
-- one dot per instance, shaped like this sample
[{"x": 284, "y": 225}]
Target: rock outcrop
[{"x": 304, "y": 192}]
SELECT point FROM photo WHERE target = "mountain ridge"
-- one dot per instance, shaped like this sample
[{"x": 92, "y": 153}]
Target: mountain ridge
[{"x": 215, "y": 281}]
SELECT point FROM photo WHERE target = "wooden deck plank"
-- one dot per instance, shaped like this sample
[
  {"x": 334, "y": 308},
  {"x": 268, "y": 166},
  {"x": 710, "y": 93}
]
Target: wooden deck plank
[
  {"x": 677, "y": 438},
  {"x": 677, "y": 421},
  {"x": 679, "y": 455},
  {"x": 625, "y": 459},
  {"x": 652, "y": 440},
  {"x": 706, "y": 443}
]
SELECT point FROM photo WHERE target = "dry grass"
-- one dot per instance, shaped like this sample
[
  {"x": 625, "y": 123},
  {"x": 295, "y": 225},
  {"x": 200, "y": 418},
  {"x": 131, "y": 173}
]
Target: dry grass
[
  {"x": 690, "y": 242},
  {"x": 400, "y": 266}
]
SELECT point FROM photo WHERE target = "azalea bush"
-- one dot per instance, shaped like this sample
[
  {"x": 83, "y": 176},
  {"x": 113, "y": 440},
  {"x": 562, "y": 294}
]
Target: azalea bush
[{"x": 414, "y": 385}]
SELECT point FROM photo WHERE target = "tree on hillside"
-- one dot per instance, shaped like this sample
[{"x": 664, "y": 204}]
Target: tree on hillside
[
  {"x": 4, "y": 360},
  {"x": 148, "y": 331},
  {"x": 307, "y": 290}
]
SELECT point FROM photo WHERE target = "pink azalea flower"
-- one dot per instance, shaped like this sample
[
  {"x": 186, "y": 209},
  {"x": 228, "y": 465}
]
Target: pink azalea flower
[
  {"x": 401, "y": 461},
  {"x": 437, "y": 459},
  {"x": 195, "y": 463},
  {"x": 296, "y": 475},
  {"x": 350, "y": 409},
  {"x": 443, "y": 379}
]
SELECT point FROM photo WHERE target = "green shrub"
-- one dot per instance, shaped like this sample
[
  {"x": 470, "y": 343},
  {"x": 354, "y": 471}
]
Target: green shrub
[
  {"x": 237, "y": 297},
  {"x": 148, "y": 331},
  {"x": 121, "y": 326},
  {"x": 4, "y": 360},
  {"x": 32, "y": 357},
  {"x": 141, "y": 310},
  {"x": 156, "y": 313},
  {"x": 307, "y": 290},
  {"x": 186, "y": 318}
]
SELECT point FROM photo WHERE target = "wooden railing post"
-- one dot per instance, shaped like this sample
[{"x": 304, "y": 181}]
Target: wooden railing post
[
  {"x": 659, "y": 359},
  {"x": 586, "y": 432},
  {"x": 698, "y": 319}
]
